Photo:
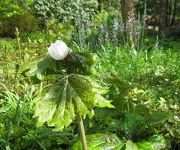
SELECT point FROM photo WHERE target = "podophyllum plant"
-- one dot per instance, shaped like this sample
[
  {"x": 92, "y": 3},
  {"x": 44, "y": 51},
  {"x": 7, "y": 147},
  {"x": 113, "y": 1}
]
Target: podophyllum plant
[{"x": 70, "y": 93}]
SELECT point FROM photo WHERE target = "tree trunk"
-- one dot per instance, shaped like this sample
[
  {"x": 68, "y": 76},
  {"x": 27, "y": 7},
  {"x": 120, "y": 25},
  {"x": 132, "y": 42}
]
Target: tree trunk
[
  {"x": 129, "y": 18},
  {"x": 163, "y": 15},
  {"x": 174, "y": 13}
]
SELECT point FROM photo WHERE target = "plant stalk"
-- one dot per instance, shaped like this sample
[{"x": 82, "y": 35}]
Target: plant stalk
[
  {"x": 18, "y": 43},
  {"x": 81, "y": 127},
  {"x": 82, "y": 132}
]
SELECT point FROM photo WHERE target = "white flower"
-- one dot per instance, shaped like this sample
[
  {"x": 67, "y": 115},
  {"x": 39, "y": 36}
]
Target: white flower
[{"x": 58, "y": 50}]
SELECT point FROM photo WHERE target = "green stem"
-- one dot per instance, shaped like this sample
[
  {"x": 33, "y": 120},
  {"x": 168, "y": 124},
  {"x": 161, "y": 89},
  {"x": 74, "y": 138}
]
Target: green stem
[
  {"x": 82, "y": 132},
  {"x": 18, "y": 43},
  {"x": 81, "y": 127}
]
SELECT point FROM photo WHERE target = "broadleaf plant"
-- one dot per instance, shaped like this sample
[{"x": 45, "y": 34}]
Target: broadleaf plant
[
  {"x": 56, "y": 104},
  {"x": 71, "y": 94},
  {"x": 137, "y": 127},
  {"x": 139, "y": 133}
]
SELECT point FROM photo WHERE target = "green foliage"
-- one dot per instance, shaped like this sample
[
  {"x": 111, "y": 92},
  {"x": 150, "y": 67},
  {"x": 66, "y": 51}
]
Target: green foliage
[
  {"x": 39, "y": 69},
  {"x": 71, "y": 93},
  {"x": 25, "y": 22},
  {"x": 157, "y": 142},
  {"x": 57, "y": 30},
  {"x": 66, "y": 20},
  {"x": 108, "y": 26},
  {"x": 80, "y": 62},
  {"x": 18, "y": 127},
  {"x": 130, "y": 145},
  {"x": 110, "y": 141},
  {"x": 15, "y": 115},
  {"x": 134, "y": 127},
  {"x": 141, "y": 83},
  {"x": 100, "y": 141},
  {"x": 15, "y": 13},
  {"x": 56, "y": 104},
  {"x": 10, "y": 8},
  {"x": 43, "y": 69},
  {"x": 64, "y": 10}
]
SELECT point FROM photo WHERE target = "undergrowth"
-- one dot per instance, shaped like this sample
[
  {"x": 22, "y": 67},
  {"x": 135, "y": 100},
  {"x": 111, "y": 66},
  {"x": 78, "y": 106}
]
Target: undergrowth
[{"x": 140, "y": 82}]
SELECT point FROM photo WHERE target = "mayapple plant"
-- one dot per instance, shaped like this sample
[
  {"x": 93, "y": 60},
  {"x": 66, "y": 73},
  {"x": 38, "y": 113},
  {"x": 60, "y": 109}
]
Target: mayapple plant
[{"x": 71, "y": 92}]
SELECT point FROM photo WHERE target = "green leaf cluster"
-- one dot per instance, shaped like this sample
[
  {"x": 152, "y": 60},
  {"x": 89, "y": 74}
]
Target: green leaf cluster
[
  {"x": 39, "y": 69},
  {"x": 9, "y": 8},
  {"x": 106, "y": 141},
  {"x": 137, "y": 127},
  {"x": 100, "y": 141},
  {"x": 65, "y": 10},
  {"x": 71, "y": 91},
  {"x": 58, "y": 103},
  {"x": 47, "y": 69}
]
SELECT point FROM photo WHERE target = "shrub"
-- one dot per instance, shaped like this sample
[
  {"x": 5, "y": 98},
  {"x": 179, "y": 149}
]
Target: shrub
[
  {"x": 9, "y": 8},
  {"x": 65, "y": 10},
  {"x": 25, "y": 23}
]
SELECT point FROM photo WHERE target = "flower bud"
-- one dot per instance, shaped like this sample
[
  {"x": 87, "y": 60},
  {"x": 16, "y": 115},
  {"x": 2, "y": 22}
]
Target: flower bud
[{"x": 58, "y": 50}]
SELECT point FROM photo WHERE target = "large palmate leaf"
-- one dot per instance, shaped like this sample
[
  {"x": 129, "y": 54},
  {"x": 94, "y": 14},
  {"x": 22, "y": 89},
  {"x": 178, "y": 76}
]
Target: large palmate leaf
[
  {"x": 155, "y": 142},
  {"x": 105, "y": 141},
  {"x": 43, "y": 69},
  {"x": 78, "y": 62},
  {"x": 100, "y": 141},
  {"x": 59, "y": 102},
  {"x": 40, "y": 69}
]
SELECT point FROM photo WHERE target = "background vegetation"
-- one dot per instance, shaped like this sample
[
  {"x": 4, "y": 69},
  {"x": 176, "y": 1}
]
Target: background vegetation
[{"x": 135, "y": 45}]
